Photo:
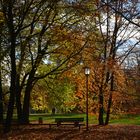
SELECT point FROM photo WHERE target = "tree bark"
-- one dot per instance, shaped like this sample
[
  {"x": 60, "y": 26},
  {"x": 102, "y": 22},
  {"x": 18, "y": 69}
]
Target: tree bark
[
  {"x": 12, "y": 41},
  {"x": 7, "y": 125},
  {"x": 1, "y": 101},
  {"x": 18, "y": 101},
  {"x": 26, "y": 103},
  {"x": 110, "y": 100},
  {"x": 1, "y": 94},
  {"x": 25, "y": 114},
  {"x": 101, "y": 108}
]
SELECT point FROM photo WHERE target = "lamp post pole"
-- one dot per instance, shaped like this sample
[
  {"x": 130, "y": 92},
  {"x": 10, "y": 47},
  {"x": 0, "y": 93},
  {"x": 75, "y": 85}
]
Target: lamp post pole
[
  {"x": 87, "y": 102},
  {"x": 87, "y": 72}
]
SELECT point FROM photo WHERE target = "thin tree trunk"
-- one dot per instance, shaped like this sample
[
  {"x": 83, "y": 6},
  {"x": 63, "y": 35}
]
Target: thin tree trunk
[
  {"x": 26, "y": 103},
  {"x": 101, "y": 108},
  {"x": 18, "y": 101},
  {"x": 1, "y": 101},
  {"x": 110, "y": 100}
]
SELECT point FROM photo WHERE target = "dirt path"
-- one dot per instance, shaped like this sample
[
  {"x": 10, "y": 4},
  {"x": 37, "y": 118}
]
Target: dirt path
[{"x": 41, "y": 132}]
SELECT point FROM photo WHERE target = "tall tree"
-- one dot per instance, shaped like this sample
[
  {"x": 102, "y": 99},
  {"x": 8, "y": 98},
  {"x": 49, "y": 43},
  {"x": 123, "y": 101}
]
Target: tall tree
[
  {"x": 112, "y": 27},
  {"x": 37, "y": 30},
  {"x": 1, "y": 93}
]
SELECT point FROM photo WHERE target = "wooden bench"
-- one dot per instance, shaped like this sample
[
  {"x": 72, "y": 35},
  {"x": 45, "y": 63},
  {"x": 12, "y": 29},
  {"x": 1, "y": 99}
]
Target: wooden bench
[{"x": 77, "y": 122}]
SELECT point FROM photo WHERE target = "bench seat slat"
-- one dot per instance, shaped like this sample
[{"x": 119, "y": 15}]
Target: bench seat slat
[
  {"x": 78, "y": 125},
  {"x": 77, "y": 122},
  {"x": 69, "y": 119}
]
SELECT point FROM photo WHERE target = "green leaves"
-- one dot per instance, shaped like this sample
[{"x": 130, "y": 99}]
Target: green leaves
[{"x": 53, "y": 93}]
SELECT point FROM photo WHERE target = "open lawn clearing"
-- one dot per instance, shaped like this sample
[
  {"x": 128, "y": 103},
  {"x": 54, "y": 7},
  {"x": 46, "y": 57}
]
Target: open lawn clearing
[
  {"x": 127, "y": 119},
  {"x": 42, "y": 132}
]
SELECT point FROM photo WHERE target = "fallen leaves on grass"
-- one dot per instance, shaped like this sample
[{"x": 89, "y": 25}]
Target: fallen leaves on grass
[{"x": 42, "y": 132}]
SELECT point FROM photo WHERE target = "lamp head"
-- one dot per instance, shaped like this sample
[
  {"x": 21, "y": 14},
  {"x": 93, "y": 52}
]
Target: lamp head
[{"x": 87, "y": 70}]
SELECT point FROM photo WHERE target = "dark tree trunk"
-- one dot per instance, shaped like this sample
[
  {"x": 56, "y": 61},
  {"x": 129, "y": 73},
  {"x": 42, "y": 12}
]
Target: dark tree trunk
[
  {"x": 18, "y": 101},
  {"x": 12, "y": 40},
  {"x": 108, "y": 109},
  {"x": 26, "y": 103},
  {"x": 7, "y": 125},
  {"x": 1, "y": 94},
  {"x": 101, "y": 108},
  {"x": 1, "y": 101},
  {"x": 110, "y": 100}
]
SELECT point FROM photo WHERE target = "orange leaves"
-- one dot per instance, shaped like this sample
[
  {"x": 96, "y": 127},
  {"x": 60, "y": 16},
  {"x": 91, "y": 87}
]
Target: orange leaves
[
  {"x": 67, "y": 41},
  {"x": 64, "y": 35},
  {"x": 84, "y": 7}
]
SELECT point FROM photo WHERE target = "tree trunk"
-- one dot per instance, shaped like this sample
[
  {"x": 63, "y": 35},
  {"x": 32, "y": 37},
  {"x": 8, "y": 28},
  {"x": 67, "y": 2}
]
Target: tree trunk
[
  {"x": 26, "y": 104},
  {"x": 7, "y": 125},
  {"x": 19, "y": 108},
  {"x": 12, "y": 41},
  {"x": 18, "y": 101},
  {"x": 109, "y": 101},
  {"x": 108, "y": 109},
  {"x": 1, "y": 101},
  {"x": 101, "y": 108}
]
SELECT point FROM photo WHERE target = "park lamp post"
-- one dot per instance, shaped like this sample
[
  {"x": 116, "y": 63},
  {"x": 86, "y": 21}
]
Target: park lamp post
[{"x": 87, "y": 72}]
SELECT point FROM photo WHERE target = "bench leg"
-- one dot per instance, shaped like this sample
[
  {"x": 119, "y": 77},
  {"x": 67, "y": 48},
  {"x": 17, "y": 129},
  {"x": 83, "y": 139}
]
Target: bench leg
[
  {"x": 49, "y": 126},
  {"x": 79, "y": 127},
  {"x": 58, "y": 124}
]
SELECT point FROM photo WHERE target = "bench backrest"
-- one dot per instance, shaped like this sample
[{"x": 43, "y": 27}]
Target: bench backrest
[{"x": 69, "y": 119}]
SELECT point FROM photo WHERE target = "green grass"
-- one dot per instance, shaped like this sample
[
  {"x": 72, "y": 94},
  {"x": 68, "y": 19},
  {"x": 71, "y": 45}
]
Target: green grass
[
  {"x": 50, "y": 118},
  {"x": 119, "y": 119},
  {"x": 126, "y": 119}
]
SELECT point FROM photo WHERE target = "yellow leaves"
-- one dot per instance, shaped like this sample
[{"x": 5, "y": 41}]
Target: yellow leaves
[
  {"x": 39, "y": 98},
  {"x": 84, "y": 8},
  {"x": 59, "y": 32},
  {"x": 67, "y": 41},
  {"x": 66, "y": 37},
  {"x": 119, "y": 78}
]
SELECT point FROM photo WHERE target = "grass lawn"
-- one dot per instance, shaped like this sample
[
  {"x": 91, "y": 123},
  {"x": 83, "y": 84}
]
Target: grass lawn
[
  {"x": 129, "y": 119},
  {"x": 51, "y": 118},
  {"x": 119, "y": 119}
]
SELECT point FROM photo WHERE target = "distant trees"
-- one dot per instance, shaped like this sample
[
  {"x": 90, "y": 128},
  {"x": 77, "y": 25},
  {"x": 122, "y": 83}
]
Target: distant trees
[
  {"x": 58, "y": 93},
  {"x": 116, "y": 31},
  {"x": 132, "y": 70}
]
